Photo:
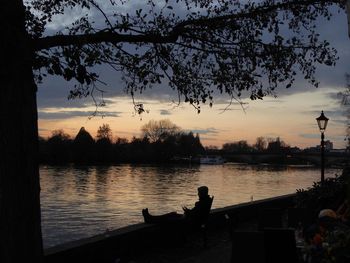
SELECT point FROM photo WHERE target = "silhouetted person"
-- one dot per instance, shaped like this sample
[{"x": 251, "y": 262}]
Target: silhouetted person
[{"x": 197, "y": 214}]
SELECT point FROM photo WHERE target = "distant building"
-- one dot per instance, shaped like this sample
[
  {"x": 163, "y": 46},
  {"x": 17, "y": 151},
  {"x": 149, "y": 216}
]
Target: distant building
[
  {"x": 294, "y": 149},
  {"x": 328, "y": 145},
  {"x": 277, "y": 146},
  {"x": 312, "y": 149}
]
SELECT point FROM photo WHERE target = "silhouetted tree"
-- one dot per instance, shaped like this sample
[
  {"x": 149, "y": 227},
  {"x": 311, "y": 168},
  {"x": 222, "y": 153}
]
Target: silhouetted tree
[
  {"x": 43, "y": 150},
  {"x": 225, "y": 45},
  {"x": 167, "y": 140},
  {"x": 241, "y": 146},
  {"x": 277, "y": 145},
  {"x": 121, "y": 141},
  {"x": 104, "y": 132},
  {"x": 166, "y": 148},
  {"x": 198, "y": 145},
  {"x": 260, "y": 144},
  {"x": 211, "y": 148},
  {"x": 159, "y": 130},
  {"x": 121, "y": 150},
  {"x": 104, "y": 148},
  {"x": 140, "y": 150},
  {"x": 83, "y": 147},
  {"x": 190, "y": 145},
  {"x": 59, "y": 146}
]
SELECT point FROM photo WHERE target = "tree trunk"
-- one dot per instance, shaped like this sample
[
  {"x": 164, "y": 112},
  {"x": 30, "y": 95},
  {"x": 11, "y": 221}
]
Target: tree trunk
[{"x": 20, "y": 226}]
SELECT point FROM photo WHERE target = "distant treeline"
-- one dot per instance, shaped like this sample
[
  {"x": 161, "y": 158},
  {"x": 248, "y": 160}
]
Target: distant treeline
[
  {"x": 160, "y": 142},
  {"x": 157, "y": 144},
  {"x": 261, "y": 145}
]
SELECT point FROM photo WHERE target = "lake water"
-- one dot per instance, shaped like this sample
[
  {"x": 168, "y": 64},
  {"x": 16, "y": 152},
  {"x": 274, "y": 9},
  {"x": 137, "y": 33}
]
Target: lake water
[{"x": 78, "y": 202}]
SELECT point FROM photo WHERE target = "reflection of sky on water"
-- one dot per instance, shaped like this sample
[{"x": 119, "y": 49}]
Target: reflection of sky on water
[{"x": 83, "y": 201}]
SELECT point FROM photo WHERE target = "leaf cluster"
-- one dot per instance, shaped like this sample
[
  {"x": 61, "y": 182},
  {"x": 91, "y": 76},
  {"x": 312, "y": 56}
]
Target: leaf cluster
[
  {"x": 199, "y": 47},
  {"x": 327, "y": 195}
]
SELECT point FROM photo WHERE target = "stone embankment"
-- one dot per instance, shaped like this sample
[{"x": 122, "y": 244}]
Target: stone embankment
[{"x": 143, "y": 243}]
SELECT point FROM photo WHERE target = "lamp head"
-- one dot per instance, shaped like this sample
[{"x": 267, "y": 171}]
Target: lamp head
[{"x": 322, "y": 122}]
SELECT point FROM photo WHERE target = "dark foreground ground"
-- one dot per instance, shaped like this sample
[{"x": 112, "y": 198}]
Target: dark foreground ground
[{"x": 218, "y": 249}]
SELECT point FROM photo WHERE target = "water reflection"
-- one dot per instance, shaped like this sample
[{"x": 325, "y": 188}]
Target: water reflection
[{"x": 80, "y": 201}]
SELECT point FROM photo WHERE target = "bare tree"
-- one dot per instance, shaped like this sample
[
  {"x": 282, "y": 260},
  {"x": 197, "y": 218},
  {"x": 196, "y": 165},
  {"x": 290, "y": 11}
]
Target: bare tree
[
  {"x": 104, "y": 132},
  {"x": 159, "y": 130},
  {"x": 260, "y": 144},
  {"x": 60, "y": 134}
]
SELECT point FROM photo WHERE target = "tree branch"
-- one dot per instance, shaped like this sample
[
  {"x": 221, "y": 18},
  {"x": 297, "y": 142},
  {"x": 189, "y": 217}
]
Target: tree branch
[
  {"x": 100, "y": 37},
  {"x": 178, "y": 29}
]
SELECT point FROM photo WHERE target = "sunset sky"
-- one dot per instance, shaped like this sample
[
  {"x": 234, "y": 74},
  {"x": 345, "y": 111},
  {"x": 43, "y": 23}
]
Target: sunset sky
[{"x": 290, "y": 116}]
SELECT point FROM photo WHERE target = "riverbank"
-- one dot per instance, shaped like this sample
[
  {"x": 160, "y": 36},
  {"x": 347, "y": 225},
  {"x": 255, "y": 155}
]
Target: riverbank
[{"x": 143, "y": 243}]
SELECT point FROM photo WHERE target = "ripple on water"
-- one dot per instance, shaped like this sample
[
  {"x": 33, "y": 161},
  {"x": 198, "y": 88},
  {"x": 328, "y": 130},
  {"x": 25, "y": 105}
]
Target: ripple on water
[{"x": 78, "y": 201}]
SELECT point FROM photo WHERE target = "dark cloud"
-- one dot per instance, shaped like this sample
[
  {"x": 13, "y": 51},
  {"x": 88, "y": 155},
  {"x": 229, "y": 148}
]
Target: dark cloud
[
  {"x": 43, "y": 130},
  {"x": 337, "y": 115},
  {"x": 340, "y": 121},
  {"x": 165, "y": 112},
  {"x": 229, "y": 108},
  {"x": 309, "y": 136},
  {"x": 70, "y": 114},
  {"x": 60, "y": 102},
  {"x": 337, "y": 96},
  {"x": 208, "y": 138},
  {"x": 54, "y": 91},
  {"x": 271, "y": 135},
  {"x": 49, "y": 131},
  {"x": 334, "y": 138},
  {"x": 338, "y": 138},
  {"x": 208, "y": 131}
]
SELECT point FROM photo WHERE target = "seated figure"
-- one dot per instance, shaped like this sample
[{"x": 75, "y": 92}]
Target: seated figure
[{"x": 197, "y": 215}]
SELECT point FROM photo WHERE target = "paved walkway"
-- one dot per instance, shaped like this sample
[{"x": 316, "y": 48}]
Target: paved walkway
[{"x": 218, "y": 249}]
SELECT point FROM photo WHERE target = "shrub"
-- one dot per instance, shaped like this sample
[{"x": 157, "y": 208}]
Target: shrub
[{"x": 329, "y": 194}]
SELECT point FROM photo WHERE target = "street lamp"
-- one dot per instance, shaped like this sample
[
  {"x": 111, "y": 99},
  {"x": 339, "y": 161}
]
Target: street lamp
[{"x": 322, "y": 125}]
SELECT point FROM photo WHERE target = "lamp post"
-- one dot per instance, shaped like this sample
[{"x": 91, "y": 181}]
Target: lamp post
[{"x": 322, "y": 125}]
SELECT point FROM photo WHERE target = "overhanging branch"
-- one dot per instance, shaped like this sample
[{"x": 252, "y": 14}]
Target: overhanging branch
[
  {"x": 101, "y": 37},
  {"x": 178, "y": 29}
]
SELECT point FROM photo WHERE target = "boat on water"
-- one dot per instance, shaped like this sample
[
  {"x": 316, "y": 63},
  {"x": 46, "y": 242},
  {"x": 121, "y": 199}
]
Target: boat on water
[{"x": 211, "y": 160}]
